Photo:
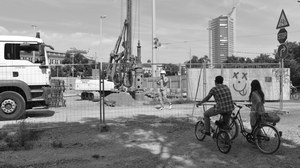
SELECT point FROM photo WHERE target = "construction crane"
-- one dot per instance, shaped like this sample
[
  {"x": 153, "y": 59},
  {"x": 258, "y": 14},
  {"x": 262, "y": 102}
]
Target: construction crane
[{"x": 124, "y": 68}]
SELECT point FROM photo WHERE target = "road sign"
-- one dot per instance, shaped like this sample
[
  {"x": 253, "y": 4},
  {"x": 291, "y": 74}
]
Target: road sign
[
  {"x": 282, "y": 35},
  {"x": 282, "y": 51},
  {"x": 282, "y": 22}
]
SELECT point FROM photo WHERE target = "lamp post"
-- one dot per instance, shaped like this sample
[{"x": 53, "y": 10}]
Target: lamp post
[
  {"x": 154, "y": 68},
  {"x": 34, "y": 28},
  {"x": 101, "y": 30}
]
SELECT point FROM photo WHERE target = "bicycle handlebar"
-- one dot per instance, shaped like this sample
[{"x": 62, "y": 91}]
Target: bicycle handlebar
[
  {"x": 241, "y": 106},
  {"x": 237, "y": 105}
]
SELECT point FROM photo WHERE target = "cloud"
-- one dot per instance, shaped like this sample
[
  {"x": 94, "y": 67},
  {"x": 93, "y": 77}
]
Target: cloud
[{"x": 3, "y": 31}]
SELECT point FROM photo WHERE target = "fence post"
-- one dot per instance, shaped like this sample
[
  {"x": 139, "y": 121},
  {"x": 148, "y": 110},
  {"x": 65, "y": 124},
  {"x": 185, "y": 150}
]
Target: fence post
[
  {"x": 103, "y": 127},
  {"x": 180, "y": 80},
  {"x": 100, "y": 92}
]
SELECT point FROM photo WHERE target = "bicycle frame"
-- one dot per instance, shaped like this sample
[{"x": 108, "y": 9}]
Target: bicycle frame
[
  {"x": 216, "y": 129},
  {"x": 238, "y": 117}
]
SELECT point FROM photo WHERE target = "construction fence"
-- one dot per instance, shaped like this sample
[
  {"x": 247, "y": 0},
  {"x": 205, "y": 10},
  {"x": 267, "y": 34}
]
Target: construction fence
[{"x": 69, "y": 83}]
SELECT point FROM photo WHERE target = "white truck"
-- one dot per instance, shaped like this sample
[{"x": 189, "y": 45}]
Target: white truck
[
  {"x": 90, "y": 88},
  {"x": 24, "y": 83}
]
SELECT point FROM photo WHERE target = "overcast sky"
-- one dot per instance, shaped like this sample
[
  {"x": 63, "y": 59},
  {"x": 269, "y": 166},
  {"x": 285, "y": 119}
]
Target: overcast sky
[{"x": 181, "y": 25}]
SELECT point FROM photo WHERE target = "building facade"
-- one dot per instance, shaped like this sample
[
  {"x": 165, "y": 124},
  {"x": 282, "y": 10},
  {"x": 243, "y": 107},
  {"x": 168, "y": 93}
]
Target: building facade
[
  {"x": 221, "y": 37},
  {"x": 54, "y": 57}
]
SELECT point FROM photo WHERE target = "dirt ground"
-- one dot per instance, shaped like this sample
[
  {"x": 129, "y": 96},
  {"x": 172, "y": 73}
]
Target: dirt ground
[{"x": 147, "y": 141}]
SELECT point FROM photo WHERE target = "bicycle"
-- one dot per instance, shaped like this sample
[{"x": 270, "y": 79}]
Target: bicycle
[
  {"x": 264, "y": 134},
  {"x": 220, "y": 134},
  {"x": 295, "y": 95}
]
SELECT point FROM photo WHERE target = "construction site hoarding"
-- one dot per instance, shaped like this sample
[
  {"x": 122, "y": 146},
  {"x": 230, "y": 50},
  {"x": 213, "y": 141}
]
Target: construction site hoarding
[{"x": 200, "y": 81}]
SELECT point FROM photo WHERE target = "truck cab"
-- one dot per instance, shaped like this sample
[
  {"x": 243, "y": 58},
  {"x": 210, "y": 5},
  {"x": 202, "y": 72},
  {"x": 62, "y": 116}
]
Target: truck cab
[{"x": 24, "y": 75}]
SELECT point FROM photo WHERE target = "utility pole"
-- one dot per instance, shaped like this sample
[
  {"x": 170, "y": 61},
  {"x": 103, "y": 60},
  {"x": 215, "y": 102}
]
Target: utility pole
[{"x": 101, "y": 31}]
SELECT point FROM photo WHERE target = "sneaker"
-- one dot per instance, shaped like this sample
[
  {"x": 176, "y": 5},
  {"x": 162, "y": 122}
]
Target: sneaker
[
  {"x": 207, "y": 133},
  {"x": 170, "y": 106},
  {"x": 222, "y": 125}
]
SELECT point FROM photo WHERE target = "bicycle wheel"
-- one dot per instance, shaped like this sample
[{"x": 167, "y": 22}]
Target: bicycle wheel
[
  {"x": 223, "y": 141},
  {"x": 295, "y": 96},
  {"x": 234, "y": 126},
  {"x": 199, "y": 130},
  {"x": 267, "y": 138}
]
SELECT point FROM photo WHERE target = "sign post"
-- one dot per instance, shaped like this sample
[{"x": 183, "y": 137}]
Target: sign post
[
  {"x": 282, "y": 52},
  {"x": 282, "y": 49}
]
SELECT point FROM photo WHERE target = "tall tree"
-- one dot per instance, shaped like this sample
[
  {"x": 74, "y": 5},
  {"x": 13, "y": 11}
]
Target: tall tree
[{"x": 292, "y": 61}]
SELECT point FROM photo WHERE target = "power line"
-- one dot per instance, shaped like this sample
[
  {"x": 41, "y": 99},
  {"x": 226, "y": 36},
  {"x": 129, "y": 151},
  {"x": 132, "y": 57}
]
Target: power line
[
  {"x": 244, "y": 36},
  {"x": 247, "y": 52}
]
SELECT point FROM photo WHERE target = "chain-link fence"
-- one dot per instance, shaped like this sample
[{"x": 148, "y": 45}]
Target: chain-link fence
[{"x": 132, "y": 90}]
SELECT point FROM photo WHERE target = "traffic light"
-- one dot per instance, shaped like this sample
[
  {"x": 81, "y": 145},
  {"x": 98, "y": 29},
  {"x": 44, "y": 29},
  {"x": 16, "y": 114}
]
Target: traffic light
[{"x": 156, "y": 43}]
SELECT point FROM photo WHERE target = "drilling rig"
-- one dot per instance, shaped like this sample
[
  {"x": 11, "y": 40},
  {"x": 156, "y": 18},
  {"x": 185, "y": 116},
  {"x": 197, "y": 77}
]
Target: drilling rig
[{"x": 125, "y": 69}]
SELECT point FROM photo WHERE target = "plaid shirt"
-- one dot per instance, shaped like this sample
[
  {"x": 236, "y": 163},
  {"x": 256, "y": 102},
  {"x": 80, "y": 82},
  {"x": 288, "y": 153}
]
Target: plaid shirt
[{"x": 223, "y": 98}]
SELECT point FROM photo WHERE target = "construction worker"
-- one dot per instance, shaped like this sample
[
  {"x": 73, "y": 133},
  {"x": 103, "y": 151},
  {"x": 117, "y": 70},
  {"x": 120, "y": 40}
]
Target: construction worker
[{"x": 162, "y": 86}]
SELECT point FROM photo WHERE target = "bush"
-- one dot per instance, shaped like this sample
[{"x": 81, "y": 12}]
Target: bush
[{"x": 22, "y": 139}]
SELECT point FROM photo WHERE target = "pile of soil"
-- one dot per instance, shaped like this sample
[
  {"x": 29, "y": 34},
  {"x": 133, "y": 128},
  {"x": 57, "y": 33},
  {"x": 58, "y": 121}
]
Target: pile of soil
[{"x": 121, "y": 99}]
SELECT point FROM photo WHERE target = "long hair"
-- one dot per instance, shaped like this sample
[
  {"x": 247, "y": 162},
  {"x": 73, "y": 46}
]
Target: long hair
[{"x": 255, "y": 86}]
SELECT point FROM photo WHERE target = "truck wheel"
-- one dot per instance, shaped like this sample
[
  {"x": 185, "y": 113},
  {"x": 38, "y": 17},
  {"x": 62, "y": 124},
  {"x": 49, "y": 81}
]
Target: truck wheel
[
  {"x": 83, "y": 96},
  {"x": 12, "y": 105}
]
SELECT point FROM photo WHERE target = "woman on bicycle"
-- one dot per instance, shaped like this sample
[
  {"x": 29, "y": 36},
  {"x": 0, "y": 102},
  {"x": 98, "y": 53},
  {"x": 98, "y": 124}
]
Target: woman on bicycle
[{"x": 257, "y": 99}]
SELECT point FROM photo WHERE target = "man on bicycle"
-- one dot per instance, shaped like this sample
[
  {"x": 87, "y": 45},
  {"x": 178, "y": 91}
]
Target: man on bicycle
[{"x": 224, "y": 104}]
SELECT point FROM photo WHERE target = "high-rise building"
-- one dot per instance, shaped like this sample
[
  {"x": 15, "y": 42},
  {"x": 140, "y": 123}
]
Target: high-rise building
[{"x": 221, "y": 37}]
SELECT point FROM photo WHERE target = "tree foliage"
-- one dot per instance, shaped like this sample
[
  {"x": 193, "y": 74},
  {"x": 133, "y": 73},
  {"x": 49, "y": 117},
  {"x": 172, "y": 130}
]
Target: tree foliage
[
  {"x": 77, "y": 65},
  {"x": 171, "y": 69},
  {"x": 196, "y": 62},
  {"x": 292, "y": 61},
  {"x": 264, "y": 58}
]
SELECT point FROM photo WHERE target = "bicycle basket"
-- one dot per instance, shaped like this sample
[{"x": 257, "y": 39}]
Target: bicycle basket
[{"x": 270, "y": 117}]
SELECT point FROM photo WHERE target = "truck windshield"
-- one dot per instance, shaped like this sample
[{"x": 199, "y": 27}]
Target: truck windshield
[{"x": 31, "y": 52}]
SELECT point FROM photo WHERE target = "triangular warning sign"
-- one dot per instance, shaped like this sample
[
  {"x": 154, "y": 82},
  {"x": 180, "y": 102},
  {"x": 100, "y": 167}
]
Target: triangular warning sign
[{"x": 282, "y": 22}]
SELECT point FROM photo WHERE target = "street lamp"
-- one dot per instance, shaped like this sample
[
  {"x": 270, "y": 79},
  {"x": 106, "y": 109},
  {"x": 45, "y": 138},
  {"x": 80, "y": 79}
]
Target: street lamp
[
  {"x": 34, "y": 29},
  {"x": 101, "y": 29}
]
